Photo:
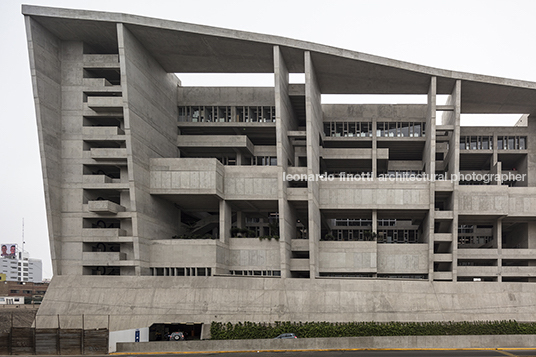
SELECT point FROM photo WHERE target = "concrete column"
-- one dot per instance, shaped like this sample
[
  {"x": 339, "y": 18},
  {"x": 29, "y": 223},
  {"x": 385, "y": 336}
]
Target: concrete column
[
  {"x": 284, "y": 121},
  {"x": 495, "y": 152},
  {"x": 375, "y": 221},
  {"x": 531, "y": 156},
  {"x": 429, "y": 161},
  {"x": 374, "y": 147},
  {"x": 454, "y": 168},
  {"x": 496, "y": 169},
  {"x": 240, "y": 219},
  {"x": 429, "y": 147},
  {"x": 287, "y": 230},
  {"x": 498, "y": 237},
  {"x": 313, "y": 110},
  {"x": 531, "y": 235},
  {"x": 225, "y": 221}
]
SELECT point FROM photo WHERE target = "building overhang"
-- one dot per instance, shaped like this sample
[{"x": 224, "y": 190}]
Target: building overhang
[{"x": 189, "y": 48}]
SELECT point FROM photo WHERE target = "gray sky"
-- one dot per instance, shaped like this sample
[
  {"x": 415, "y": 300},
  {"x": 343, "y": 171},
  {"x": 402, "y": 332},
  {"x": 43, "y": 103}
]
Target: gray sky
[{"x": 488, "y": 37}]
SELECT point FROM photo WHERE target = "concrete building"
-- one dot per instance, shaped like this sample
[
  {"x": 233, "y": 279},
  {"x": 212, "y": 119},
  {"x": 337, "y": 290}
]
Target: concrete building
[{"x": 178, "y": 204}]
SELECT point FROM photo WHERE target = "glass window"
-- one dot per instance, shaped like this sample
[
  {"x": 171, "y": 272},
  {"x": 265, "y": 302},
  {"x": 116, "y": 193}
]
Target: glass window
[
  {"x": 511, "y": 143},
  {"x": 486, "y": 143},
  {"x": 338, "y": 129},
  {"x": 352, "y": 129},
  {"x": 473, "y": 143},
  {"x": 327, "y": 129},
  {"x": 392, "y": 129},
  {"x": 522, "y": 143},
  {"x": 379, "y": 129},
  {"x": 195, "y": 114},
  {"x": 416, "y": 129},
  {"x": 462, "y": 143},
  {"x": 366, "y": 129},
  {"x": 240, "y": 114},
  {"x": 404, "y": 129}
]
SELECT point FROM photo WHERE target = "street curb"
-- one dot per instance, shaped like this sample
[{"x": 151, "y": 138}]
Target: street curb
[{"x": 330, "y": 350}]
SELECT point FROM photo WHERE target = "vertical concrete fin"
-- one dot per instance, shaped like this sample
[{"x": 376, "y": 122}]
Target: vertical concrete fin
[
  {"x": 429, "y": 161},
  {"x": 454, "y": 168},
  {"x": 45, "y": 65},
  {"x": 151, "y": 115},
  {"x": 285, "y": 121},
  {"x": 313, "y": 112}
]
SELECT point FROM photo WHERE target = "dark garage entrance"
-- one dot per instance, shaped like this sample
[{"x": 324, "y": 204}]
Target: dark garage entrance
[{"x": 158, "y": 332}]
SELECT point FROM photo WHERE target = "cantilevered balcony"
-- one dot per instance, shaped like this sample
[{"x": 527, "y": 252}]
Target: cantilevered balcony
[
  {"x": 103, "y": 232},
  {"x": 443, "y": 257},
  {"x": 102, "y": 132},
  {"x": 187, "y": 176},
  {"x": 105, "y": 207},
  {"x": 299, "y": 245},
  {"x": 443, "y": 275},
  {"x": 442, "y": 237},
  {"x": 348, "y": 154},
  {"x": 519, "y": 271},
  {"x": 97, "y": 82},
  {"x": 103, "y": 257},
  {"x": 299, "y": 264},
  {"x": 108, "y": 153},
  {"x": 96, "y": 179},
  {"x": 101, "y": 61},
  {"x": 237, "y": 142},
  {"x": 477, "y": 271},
  {"x": 365, "y": 193},
  {"x": 105, "y": 104}
]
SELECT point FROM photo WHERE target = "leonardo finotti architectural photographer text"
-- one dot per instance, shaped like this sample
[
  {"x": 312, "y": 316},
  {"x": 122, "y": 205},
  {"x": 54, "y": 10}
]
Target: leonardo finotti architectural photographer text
[{"x": 368, "y": 176}]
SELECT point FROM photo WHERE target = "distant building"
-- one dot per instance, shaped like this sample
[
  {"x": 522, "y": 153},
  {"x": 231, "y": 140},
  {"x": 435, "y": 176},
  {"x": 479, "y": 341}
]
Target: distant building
[
  {"x": 22, "y": 268},
  {"x": 27, "y": 292}
]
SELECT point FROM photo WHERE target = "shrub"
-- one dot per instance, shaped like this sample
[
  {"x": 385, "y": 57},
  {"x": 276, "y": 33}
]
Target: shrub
[
  {"x": 252, "y": 330},
  {"x": 329, "y": 237}
]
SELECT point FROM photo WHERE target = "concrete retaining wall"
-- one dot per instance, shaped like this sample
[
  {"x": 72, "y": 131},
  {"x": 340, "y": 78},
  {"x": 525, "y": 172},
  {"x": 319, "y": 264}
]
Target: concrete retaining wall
[
  {"x": 410, "y": 342},
  {"x": 126, "y": 302}
]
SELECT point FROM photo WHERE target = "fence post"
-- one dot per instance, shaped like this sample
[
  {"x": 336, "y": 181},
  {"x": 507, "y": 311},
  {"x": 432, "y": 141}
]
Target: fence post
[
  {"x": 59, "y": 336},
  {"x": 82, "y": 337},
  {"x": 58, "y": 352},
  {"x": 9, "y": 342}
]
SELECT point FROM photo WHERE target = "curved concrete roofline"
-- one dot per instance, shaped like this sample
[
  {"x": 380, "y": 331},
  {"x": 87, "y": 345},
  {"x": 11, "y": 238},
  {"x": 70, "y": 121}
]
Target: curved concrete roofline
[{"x": 31, "y": 10}]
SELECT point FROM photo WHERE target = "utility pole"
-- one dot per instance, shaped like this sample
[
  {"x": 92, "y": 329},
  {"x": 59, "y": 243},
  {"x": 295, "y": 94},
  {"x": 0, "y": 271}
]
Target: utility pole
[{"x": 22, "y": 254}]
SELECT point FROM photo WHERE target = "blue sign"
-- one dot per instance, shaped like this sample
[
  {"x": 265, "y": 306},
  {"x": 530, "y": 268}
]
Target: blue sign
[{"x": 137, "y": 336}]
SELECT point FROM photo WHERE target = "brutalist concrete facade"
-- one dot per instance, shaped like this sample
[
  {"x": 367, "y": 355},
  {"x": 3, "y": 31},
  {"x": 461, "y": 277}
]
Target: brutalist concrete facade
[{"x": 168, "y": 203}]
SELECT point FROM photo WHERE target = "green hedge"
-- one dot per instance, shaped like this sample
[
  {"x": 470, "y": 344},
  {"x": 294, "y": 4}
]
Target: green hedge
[{"x": 252, "y": 330}]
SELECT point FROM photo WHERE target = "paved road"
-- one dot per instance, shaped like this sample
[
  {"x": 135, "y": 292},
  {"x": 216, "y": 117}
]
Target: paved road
[
  {"x": 485, "y": 353},
  {"x": 406, "y": 353}
]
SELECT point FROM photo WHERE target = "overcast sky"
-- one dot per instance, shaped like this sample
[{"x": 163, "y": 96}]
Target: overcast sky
[{"x": 488, "y": 37}]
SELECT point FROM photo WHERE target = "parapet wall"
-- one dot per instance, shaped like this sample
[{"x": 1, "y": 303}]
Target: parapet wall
[{"x": 341, "y": 343}]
